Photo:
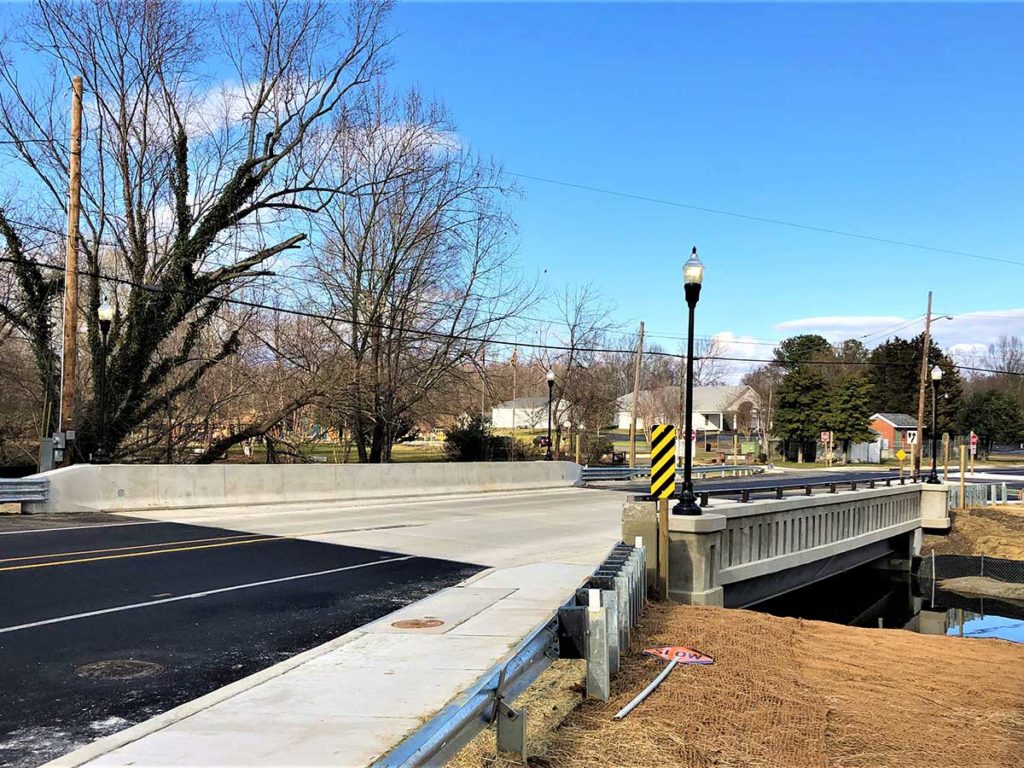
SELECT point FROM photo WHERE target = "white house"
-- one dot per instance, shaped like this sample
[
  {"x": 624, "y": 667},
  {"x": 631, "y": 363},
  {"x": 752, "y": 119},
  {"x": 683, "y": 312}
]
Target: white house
[
  {"x": 529, "y": 413},
  {"x": 715, "y": 409}
]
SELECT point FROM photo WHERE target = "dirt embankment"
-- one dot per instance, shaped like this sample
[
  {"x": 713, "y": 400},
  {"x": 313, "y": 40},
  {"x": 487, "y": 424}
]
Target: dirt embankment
[
  {"x": 786, "y": 693},
  {"x": 990, "y": 531}
]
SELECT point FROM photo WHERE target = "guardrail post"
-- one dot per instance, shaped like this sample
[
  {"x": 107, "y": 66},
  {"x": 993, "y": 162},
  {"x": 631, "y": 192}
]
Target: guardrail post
[
  {"x": 512, "y": 730},
  {"x": 598, "y": 677},
  {"x": 610, "y": 601}
]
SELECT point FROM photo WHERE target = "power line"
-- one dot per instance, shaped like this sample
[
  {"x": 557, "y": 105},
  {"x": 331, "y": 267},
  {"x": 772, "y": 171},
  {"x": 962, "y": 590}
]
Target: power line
[
  {"x": 466, "y": 337},
  {"x": 766, "y": 220}
]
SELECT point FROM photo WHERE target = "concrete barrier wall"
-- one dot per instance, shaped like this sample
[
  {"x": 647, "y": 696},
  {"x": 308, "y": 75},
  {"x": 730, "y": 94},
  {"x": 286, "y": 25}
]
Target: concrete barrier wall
[{"x": 127, "y": 487}]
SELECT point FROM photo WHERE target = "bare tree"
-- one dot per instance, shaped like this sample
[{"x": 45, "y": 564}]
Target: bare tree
[
  {"x": 413, "y": 269},
  {"x": 1006, "y": 357},
  {"x": 765, "y": 383},
  {"x": 579, "y": 395},
  {"x": 188, "y": 185}
]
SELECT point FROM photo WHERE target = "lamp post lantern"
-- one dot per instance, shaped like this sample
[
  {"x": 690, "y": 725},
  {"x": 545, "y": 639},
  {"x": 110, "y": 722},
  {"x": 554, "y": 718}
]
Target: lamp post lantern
[
  {"x": 105, "y": 313},
  {"x": 551, "y": 389},
  {"x": 933, "y": 476},
  {"x": 693, "y": 276}
]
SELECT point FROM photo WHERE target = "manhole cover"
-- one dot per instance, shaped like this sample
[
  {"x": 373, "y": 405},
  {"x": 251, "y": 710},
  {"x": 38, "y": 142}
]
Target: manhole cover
[
  {"x": 417, "y": 623},
  {"x": 118, "y": 669}
]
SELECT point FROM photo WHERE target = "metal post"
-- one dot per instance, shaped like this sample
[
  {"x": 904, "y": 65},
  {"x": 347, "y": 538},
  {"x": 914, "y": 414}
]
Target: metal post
[
  {"x": 551, "y": 389},
  {"x": 963, "y": 480},
  {"x": 512, "y": 730},
  {"x": 100, "y": 455},
  {"x": 687, "y": 504},
  {"x": 598, "y": 677},
  {"x": 663, "y": 549},
  {"x": 933, "y": 477}
]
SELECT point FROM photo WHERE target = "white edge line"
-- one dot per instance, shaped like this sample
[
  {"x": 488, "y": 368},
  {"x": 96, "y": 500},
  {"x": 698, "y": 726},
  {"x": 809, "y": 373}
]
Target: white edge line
[
  {"x": 196, "y": 595},
  {"x": 83, "y": 527}
]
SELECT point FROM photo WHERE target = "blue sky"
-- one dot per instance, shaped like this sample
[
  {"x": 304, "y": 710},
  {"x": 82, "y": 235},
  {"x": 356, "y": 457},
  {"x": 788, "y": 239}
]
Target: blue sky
[
  {"x": 901, "y": 122},
  {"x": 896, "y": 121}
]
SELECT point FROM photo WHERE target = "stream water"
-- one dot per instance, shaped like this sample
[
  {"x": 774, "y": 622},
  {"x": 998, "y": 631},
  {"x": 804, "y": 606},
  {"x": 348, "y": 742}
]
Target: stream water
[{"x": 868, "y": 597}]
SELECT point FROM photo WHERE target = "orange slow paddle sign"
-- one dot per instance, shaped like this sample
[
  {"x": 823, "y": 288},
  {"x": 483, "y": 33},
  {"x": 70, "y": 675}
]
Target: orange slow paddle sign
[{"x": 679, "y": 654}]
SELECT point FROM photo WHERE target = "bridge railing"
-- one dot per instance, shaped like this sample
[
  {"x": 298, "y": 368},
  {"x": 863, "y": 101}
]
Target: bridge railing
[
  {"x": 776, "y": 533},
  {"x": 745, "y": 495},
  {"x": 792, "y": 535},
  {"x": 601, "y": 472}
]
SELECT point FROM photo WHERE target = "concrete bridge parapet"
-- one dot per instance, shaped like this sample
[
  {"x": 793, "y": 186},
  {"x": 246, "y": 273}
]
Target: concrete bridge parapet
[{"x": 738, "y": 554}]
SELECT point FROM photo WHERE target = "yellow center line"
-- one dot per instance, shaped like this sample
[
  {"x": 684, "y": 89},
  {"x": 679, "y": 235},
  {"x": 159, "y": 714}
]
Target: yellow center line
[
  {"x": 138, "y": 554},
  {"x": 125, "y": 549}
]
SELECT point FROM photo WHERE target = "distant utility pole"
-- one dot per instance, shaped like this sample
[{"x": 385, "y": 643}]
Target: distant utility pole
[
  {"x": 636, "y": 396},
  {"x": 920, "y": 395},
  {"x": 70, "y": 345}
]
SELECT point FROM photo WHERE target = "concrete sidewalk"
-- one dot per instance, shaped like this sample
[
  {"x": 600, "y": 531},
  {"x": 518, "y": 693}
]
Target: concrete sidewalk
[{"x": 350, "y": 701}]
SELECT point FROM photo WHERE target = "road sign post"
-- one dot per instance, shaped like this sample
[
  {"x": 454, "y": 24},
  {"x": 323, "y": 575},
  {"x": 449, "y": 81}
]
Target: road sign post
[
  {"x": 663, "y": 487},
  {"x": 974, "y": 450},
  {"x": 901, "y": 455},
  {"x": 963, "y": 471}
]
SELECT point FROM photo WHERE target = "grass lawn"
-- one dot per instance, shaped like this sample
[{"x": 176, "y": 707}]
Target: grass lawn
[{"x": 403, "y": 452}]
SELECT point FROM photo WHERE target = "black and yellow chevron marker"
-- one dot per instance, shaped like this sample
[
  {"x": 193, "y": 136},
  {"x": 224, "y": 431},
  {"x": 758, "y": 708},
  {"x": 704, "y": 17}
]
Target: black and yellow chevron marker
[{"x": 663, "y": 461}]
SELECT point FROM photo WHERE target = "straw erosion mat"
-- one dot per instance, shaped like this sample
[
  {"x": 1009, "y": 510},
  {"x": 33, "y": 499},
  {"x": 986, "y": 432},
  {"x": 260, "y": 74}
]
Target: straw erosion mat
[{"x": 787, "y": 693}]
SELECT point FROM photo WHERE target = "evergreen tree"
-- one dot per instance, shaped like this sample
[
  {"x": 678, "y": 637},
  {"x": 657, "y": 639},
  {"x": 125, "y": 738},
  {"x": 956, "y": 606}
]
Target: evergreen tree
[
  {"x": 850, "y": 409},
  {"x": 994, "y": 416},
  {"x": 797, "y": 350},
  {"x": 894, "y": 373},
  {"x": 802, "y": 408}
]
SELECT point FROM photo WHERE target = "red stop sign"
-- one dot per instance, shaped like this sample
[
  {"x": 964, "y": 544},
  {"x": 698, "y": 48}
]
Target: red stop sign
[{"x": 974, "y": 439}]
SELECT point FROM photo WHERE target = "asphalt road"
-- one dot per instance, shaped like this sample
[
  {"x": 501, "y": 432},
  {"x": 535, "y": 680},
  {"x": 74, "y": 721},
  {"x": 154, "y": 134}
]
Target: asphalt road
[{"x": 200, "y": 607}]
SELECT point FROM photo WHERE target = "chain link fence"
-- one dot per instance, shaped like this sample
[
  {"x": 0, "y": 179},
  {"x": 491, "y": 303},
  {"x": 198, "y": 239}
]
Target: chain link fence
[{"x": 940, "y": 567}]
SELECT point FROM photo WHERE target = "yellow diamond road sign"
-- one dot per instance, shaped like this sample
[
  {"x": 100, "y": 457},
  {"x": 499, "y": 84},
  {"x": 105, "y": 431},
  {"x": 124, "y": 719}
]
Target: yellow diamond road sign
[
  {"x": 901, "y": 454},
  {"x": 663, "y": 461}
]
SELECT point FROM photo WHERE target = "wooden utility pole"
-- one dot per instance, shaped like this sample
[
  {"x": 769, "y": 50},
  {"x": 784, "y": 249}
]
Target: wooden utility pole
[
  {"x": 921, "y": 391},
  {"x": 636, "y": 396},
  {"x": 70, "y": 345}
]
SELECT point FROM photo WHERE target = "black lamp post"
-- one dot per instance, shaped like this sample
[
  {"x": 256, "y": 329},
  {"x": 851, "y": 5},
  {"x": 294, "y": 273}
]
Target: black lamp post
[
  {"x": 693, "y": 276},
  {"x": 551, "y": 389},
  {"x": 933, "y": 476},
  {"x": 106, "y": 315}
]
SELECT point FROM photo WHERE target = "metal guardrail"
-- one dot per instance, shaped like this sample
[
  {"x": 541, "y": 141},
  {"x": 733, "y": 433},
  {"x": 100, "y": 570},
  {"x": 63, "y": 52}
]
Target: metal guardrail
[
  {"x": 746, "y": 495},
  {"x": 977, "y": 495},
  {"x": 601, "y": 472},
  {"x": 806, "y": 489},
  {"x": 13, "y": 491},
  {"x": 487, "y": 702}
]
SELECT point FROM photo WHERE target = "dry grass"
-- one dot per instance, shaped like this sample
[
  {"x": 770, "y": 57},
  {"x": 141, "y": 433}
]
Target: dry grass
[
  {"x": 555, "y": 694},
  {"x": 786, "y": 693},
  {"x": 991, "y": 531}
]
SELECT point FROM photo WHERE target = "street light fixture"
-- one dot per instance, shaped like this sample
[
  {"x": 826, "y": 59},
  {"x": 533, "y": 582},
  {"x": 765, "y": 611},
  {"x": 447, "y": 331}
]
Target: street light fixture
[
  {"x": 105, "y": 313},
  {"x": 551, "y": 389},
  {"x": 933, "y": 476},
  {"x": 693, "y": 277}
]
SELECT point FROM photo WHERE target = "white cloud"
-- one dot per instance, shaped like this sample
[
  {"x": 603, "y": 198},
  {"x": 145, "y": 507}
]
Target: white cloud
[
  {"x": 840, "y": 327},
  {"x": 964, "y": 336}
]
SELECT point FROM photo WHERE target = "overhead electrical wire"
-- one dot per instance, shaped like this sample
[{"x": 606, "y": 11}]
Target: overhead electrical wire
[
  {"x": 765, "y": 219},
  {"x": 455, "y": 336}
]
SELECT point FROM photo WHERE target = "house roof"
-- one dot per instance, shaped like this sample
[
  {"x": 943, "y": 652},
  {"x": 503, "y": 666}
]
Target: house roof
[
  {"x": 898, "y": 420},
  {"x": 705, "y": 399}
]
